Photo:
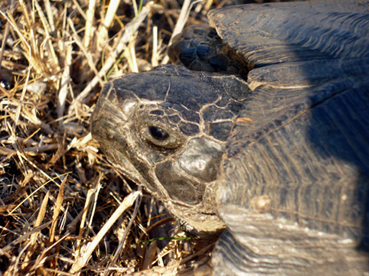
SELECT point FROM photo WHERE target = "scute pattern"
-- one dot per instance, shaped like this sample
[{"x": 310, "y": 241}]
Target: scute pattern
[
  {"x": 287, "y": 32},
  {"x": 262, "y": 246},
  {"x": 302, "y": 137}
]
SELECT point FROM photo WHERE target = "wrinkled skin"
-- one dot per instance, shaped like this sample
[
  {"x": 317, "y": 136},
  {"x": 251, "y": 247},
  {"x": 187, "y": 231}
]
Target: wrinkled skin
[{"x": 168, "y": 134}]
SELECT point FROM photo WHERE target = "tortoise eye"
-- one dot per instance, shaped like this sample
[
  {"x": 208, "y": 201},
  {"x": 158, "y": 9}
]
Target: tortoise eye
[
  {"x": 161, "y": 137},
  {"x": 158, "y": 133}
]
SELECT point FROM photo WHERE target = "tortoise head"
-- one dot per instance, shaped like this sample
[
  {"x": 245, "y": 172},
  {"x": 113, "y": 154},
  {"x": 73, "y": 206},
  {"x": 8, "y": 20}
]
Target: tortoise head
[{"x": 167, "y": 130}]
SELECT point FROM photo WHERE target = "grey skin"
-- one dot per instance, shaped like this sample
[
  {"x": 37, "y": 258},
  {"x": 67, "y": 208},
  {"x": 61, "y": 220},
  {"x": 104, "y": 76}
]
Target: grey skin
[
  {"x": 279, "y": 157},
  {"x": 196, "y": 111}
]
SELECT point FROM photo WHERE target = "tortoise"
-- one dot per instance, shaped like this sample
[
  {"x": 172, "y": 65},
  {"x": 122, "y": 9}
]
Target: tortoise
[{"x": 274, "y": 157}]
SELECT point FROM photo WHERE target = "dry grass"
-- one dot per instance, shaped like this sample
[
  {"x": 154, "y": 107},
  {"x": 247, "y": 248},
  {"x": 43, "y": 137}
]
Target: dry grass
[{"x": 59, "y": 197}]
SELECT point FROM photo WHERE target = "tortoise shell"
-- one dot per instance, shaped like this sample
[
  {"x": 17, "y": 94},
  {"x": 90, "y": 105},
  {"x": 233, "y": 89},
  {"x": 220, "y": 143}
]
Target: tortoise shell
[{"x": 278, "y": 157}]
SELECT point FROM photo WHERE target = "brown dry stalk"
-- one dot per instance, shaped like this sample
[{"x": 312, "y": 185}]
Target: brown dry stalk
[
  {"x": 130, "y": 29},
  {"x": 32, "y": 241},
  {"x": 57, "y": 209},
  {"x": 82, "y": 260}
]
